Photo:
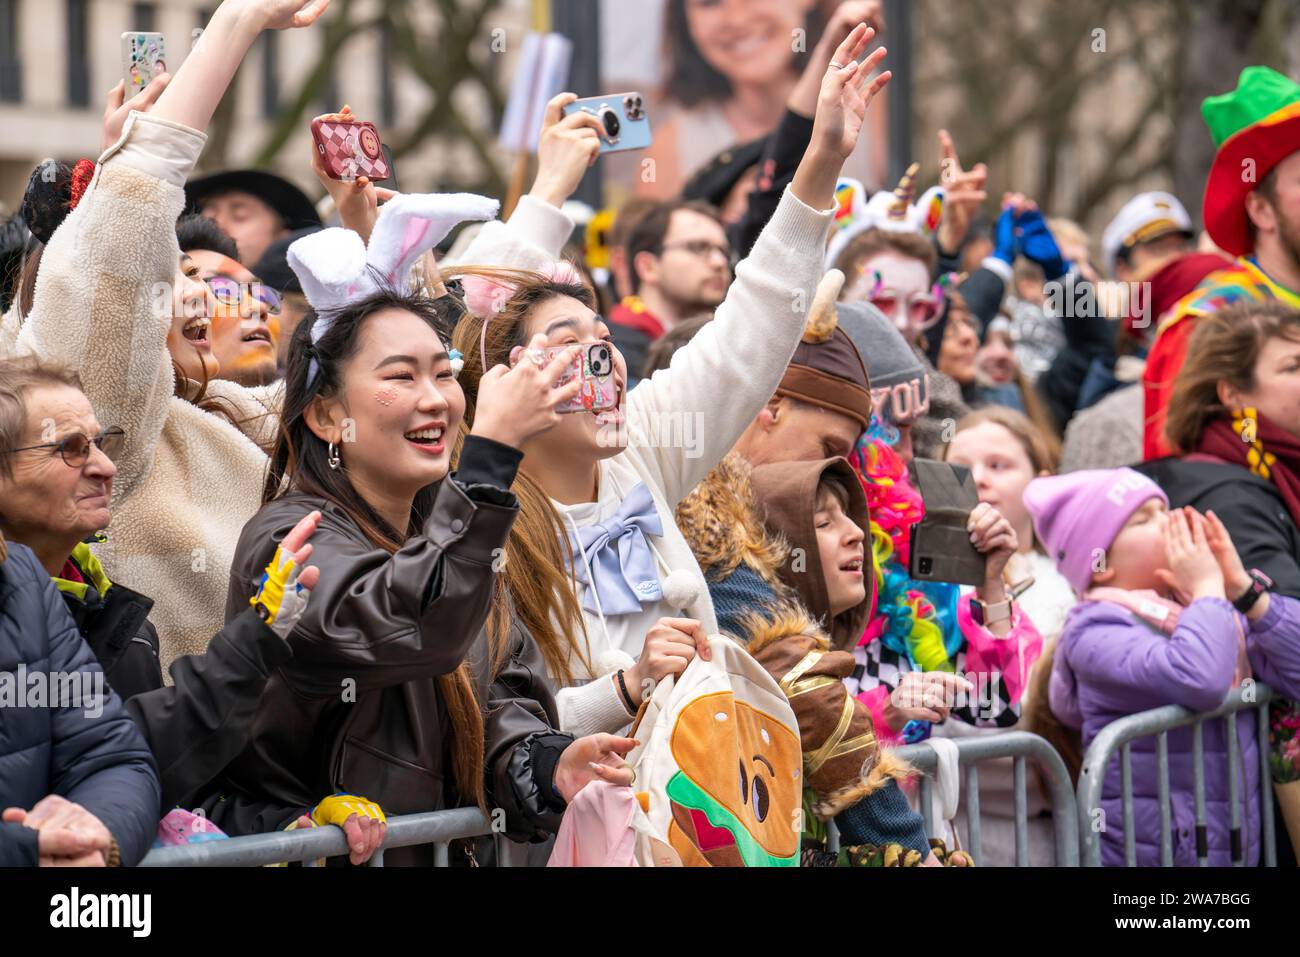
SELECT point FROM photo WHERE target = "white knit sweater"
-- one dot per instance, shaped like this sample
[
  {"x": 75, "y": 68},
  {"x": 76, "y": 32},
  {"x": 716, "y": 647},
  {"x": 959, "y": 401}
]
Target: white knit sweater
[
  {"x": 711, "y": 392},
  {"x": 187, "y": 479}
]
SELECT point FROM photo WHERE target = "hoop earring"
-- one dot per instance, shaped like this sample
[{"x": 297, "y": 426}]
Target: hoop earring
[{"x": 333, "y": 456}]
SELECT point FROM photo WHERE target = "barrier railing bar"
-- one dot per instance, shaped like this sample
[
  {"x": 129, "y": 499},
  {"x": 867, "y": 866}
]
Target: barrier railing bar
[
  {"x": 1008, "y": 744},
  {"x": 1236, "y": 853},
  {"x": 1162, "y": 789},
  {"x": 1266, "y": 785},
  {"x": 973, "y": 811},
  {"x": 1101, "y": 752},
  {"x": 430, "y": 827},
  {"x": 1021, "y": 812},
  {"x": 1126, "y": 797},
  {"x": 1198, "y": 788}
]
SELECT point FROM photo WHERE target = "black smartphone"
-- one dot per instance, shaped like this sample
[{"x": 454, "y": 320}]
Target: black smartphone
[
  {"x": 391, "y": 182},
  {"x": 940, "y": 544}
]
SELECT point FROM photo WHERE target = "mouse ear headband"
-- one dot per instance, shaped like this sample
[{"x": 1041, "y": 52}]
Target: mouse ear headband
[
  {"x": 336, "y": 268},
  {"x": 487, "y": 296}
]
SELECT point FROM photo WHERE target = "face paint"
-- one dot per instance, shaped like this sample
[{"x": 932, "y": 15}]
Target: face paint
[
  {"x": 386, "y": 396},
  {"x": 893, "y": 282}
]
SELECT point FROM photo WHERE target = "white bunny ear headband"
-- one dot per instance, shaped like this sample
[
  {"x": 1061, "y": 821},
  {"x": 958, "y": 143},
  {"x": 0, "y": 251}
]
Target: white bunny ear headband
[
  {"x": 892, "y": 211},
  {"x": 335, "y": 267}
]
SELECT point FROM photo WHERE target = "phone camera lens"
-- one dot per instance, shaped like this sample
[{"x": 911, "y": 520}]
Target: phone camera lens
[
  {"x": 633, "y": 108},
  {"x": 926, "y": 566},
  {"x": 600, "y": 360},
  {"x": 613, "y": 125},
  {"x": 369, "y": 143}
]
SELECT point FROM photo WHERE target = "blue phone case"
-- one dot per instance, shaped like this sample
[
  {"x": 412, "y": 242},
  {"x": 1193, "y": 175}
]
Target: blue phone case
[{"x": 625, "y": 112}]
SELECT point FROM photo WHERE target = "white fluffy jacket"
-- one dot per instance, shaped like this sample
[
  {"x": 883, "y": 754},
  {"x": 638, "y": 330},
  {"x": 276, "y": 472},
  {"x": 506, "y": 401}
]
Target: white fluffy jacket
[{"x": 719, "y": 381}]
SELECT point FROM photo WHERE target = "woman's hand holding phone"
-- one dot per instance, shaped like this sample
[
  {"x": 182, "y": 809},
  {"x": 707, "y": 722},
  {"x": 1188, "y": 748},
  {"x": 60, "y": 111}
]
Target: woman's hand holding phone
[
  {"x": 117, "y": 108},
  {"x": 357, "y": 199},
  {"x": 517, "y": 404},
  {"x": 567, "y": 147}
]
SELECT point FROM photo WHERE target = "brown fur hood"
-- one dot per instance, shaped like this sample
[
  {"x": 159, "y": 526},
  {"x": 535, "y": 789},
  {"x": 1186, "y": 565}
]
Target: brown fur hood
[{"x": 723, "y": 526}]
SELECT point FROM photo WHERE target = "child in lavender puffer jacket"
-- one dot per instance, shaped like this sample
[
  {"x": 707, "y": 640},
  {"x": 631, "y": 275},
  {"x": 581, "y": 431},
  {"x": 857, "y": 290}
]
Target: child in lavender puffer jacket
[{"x": 1154, "y": 627}]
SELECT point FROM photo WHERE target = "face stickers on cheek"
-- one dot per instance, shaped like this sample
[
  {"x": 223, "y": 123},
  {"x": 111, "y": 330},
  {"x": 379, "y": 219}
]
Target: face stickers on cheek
[{"x": 386, "y": 396}]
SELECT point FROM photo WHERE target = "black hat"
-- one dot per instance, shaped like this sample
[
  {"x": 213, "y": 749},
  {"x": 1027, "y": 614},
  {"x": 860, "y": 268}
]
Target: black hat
[
  {"x": 715, "y": 179},
  {"x": 297, "y": 211},
  {"x": 273, "y": 268}
]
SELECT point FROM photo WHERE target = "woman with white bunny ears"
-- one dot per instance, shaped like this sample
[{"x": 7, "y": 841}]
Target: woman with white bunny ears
[
  {"x": 439, "y": 715},
  {"x": 188, "y": 479}
]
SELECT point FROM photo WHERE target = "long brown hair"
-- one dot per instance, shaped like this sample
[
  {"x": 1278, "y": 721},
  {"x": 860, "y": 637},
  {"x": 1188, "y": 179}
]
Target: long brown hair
[
  {"x": 1224, "y": 347},
  {"x": 538, "y": 554},
  {"x": 300, "y": 462}
]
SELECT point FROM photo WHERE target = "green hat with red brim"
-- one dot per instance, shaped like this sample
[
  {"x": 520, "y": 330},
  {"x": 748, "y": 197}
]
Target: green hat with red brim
[{"x": 1255, "y": 127}]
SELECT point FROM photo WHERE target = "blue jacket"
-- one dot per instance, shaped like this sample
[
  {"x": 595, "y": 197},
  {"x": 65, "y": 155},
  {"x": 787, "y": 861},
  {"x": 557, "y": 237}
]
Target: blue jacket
[{"x": 100, "y": 762}]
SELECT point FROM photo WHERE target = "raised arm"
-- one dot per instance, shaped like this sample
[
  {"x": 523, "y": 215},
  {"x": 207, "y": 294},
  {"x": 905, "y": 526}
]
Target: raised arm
[{"x": 723, "y": 377}]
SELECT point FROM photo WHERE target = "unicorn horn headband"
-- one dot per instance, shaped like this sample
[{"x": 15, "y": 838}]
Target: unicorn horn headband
[
  {"x": 336, "y": 267},
  {"x": 903, "y": 194}
]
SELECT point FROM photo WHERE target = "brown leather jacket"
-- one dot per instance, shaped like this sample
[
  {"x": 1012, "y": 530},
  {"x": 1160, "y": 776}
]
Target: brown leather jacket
[{"x": 358, "y": 709}]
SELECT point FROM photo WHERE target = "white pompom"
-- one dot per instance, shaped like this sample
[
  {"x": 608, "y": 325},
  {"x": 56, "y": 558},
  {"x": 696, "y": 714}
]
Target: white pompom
[
  {"x": 610, "y": 660},
  {"x": 681, "y": 588}
]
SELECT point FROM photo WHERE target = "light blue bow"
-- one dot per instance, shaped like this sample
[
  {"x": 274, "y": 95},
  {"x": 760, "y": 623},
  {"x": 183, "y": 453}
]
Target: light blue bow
[{"x": 622, "y": 565}]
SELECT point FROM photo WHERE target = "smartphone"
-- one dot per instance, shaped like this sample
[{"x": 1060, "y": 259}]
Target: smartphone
[
  {"x": 941, "y": 549},
  {"x": 349, "y": 148},
  {"x": 144, "y": 56},
  {"x": 594, "y": 364},
  {"x": 622, "y": 115},
  {"x": 390, "y": 181}
]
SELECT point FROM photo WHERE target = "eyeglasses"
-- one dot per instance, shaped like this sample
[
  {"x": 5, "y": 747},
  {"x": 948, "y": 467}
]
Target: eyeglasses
[
  {"x": 75, "y": 448},
  {"x": 701, "y": 248},
  {"x": 230, "y": 293},
  {"x": 922, "y": 309}
]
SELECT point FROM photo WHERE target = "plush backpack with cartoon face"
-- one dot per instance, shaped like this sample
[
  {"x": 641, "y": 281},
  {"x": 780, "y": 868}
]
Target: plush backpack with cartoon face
[{"x": 719, "y": 771}]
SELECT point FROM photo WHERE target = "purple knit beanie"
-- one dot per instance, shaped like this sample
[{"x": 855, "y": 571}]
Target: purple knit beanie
[{"x": 1077, "y": 515}]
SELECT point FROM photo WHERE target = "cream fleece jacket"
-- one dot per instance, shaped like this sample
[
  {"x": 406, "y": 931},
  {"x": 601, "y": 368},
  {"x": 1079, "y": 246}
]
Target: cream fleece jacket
[
  {"x": 711, "y": 392},
  {"x": 187, "y": 479}
]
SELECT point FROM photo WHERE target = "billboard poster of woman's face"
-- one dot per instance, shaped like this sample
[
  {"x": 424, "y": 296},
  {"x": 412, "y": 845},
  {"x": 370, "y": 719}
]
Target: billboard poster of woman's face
[{"x": 716, "y": 74}]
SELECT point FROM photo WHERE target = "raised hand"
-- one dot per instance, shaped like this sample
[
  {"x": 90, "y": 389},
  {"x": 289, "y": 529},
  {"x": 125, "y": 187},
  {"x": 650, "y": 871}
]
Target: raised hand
[
  {"x": 803, "y": 98},
  {"x": 116, "y": 111},
  {"x": 567, "y": 147},
  {"x": 201, "y": 81},
  {"x": 516, "y": 404},
  {"x": 846, "y": 91},
  {"x": 283, "y": 591},
  {"x": 286, "y": 14},
  {"x": 965, "y": 194},
  {"x": 1193, "y": 568}
]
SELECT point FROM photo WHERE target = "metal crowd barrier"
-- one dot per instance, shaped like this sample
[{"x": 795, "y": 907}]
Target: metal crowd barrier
[
  {"x": 1072, "y": 815},
  {"x": 1019, "y": 745},
  {"x": 1160, "y": 721},
  {"x": 310, "y": 844}
]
